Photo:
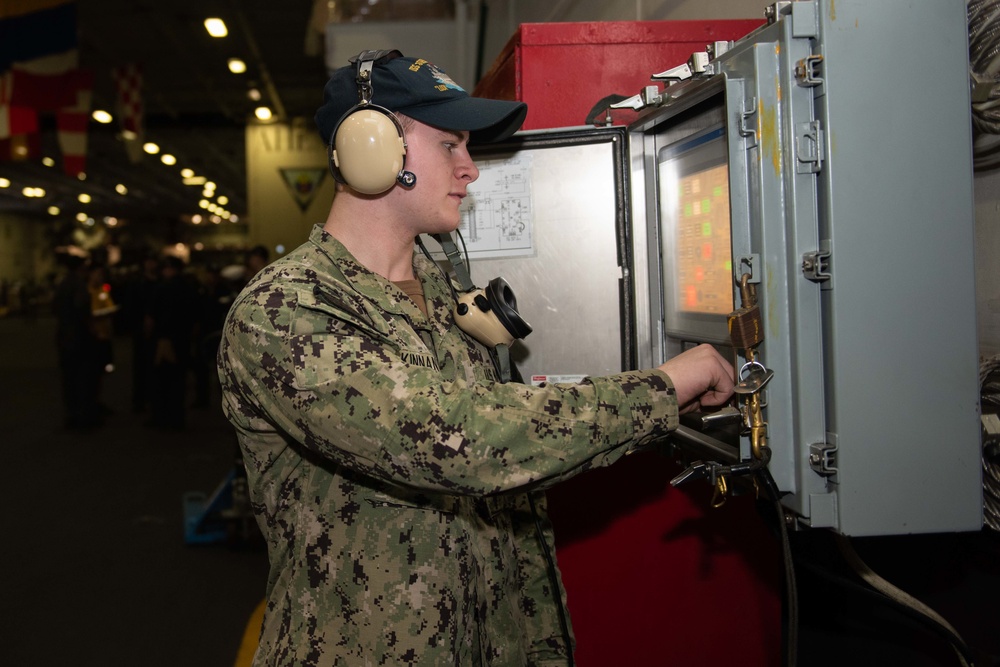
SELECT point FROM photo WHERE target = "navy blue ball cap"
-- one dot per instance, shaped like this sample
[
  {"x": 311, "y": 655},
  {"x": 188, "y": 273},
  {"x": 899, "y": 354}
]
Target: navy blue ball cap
[{"x": 421, "y": 90}]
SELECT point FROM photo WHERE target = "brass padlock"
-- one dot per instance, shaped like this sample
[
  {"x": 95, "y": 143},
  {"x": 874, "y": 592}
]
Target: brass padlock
[{"x": 746, "y": 326}]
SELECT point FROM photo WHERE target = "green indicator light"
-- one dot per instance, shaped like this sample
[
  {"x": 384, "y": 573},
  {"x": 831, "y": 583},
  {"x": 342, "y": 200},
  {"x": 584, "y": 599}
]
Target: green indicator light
[{"x": 706, "y": 229}]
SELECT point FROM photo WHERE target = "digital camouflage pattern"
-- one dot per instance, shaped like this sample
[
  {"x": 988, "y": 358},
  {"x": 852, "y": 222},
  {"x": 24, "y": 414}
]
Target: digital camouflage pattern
[{"x": 398, "y": 484}]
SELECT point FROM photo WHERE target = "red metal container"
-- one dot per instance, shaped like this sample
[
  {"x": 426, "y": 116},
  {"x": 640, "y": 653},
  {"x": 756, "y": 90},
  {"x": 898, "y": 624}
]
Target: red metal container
[{"x": 563, "y": 69}]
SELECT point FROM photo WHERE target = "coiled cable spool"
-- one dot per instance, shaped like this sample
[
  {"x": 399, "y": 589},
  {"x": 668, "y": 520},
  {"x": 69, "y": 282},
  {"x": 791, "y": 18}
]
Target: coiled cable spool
[{"x": 989, "y": 388}]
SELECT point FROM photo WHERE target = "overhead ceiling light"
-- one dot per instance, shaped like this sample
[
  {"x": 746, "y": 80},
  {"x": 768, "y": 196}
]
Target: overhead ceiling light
[
  {"x": 121, "y": 189},
  {"x": 4, "y": 183},
  {"x": 237, "y": 66},
  {"x": 223, "y": 199},
  {"x": 262, "y": 113},
  {"x": 187, "y": 173},
  {"x": 194, "y": 180},
  {"x": 151, "y": 148},
  {"x": 101, "y": 116},
  {"x": 48, "y": 162},
  {"x": 84, "y": 198},
  {"x": 53, "y": 210},
  {"x": 81, "y": 217},
  {"x": 168, "y": 159},
  {"x": 254, "y": 94},
  {"x": 129, "y": 135},
  {"x": 210, "y": 185},
  {"x": 216, "y": 27}
]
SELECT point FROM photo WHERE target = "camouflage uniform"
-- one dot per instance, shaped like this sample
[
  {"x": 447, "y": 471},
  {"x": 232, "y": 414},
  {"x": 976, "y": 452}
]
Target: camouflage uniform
[{"x": 397, "y": 483}]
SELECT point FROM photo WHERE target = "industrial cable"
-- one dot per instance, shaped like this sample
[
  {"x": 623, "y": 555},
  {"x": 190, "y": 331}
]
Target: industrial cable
[
  {"x": 903, "y": 599},
  {"x": 989, "y": 388},
  {"x": 984, "y": 75},
  {"x": 791, "y": 630},
  {"x": 864, "y": 590},
  {"x": 984, "y": 63}
]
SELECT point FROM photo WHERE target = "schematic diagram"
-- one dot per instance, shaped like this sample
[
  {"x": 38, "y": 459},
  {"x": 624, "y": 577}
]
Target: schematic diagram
[{"x": 497, "y": 213}]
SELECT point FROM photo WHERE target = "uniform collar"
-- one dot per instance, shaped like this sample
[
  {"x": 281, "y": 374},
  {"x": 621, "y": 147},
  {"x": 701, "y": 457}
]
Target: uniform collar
[{"x": 371, "y": 285}]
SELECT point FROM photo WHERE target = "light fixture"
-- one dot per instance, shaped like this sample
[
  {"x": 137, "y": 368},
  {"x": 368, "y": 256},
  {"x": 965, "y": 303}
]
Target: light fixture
[
  {"x": 83, "y": 198},
  {"x": 223, "y": 199},
  {"x": 262, "y": 113},
  {"x": 4, "y": 183},
  {"x": 210, "y": 185},
  {"x": 33, "y": 193},
  {"x": 168, "y": 159},
  {"x": 101, "y": 116},
  {"x": 151, "y": 148},
  {"x": 48, "y": 162},
  {"x": 121, "y": 189},
  {"x": 53, "y": 210},
  {"x": 216, "y": 27},
  {"x": 81, "y": 176},
  {"x": 194, "y": 180},
  {"x": 187, "y": 173},
  {"x": 254, "y": 94},
  {"x": 81, "y": 217},
  {"x": 237, "y": 66}
]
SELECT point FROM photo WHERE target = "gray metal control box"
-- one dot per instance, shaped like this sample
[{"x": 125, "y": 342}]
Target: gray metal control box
[{"x": 842, "y": 132}]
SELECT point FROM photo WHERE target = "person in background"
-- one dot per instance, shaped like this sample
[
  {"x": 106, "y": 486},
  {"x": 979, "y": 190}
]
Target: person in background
[
  {"x": 138, "y": 297},
  {"x": 257, "y": 259},
  {"x": 171, "y": 326},
  {"x": 399, "y": 482},
  {"x": 214, "y": 299},
  {"x": 76, "y": 343}
]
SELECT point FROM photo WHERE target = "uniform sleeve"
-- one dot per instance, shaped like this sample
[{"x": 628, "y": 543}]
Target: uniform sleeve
[{"x": 347, "y": 396}]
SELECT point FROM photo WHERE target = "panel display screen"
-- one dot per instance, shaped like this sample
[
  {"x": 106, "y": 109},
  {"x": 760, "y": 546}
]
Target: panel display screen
[{"x": 693, "y": 183}]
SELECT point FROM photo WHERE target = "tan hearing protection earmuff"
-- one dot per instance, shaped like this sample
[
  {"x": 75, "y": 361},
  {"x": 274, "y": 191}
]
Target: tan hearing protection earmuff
[{"x": 367, "y": 150}]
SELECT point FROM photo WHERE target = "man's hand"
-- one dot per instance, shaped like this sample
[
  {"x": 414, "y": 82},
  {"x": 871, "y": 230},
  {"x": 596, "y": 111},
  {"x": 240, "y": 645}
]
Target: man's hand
[{"x": 701, "y": 376}]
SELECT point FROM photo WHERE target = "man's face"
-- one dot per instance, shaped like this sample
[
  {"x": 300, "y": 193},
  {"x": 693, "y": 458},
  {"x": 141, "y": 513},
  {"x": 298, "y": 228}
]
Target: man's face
[{"x": 441, "y": 162}]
